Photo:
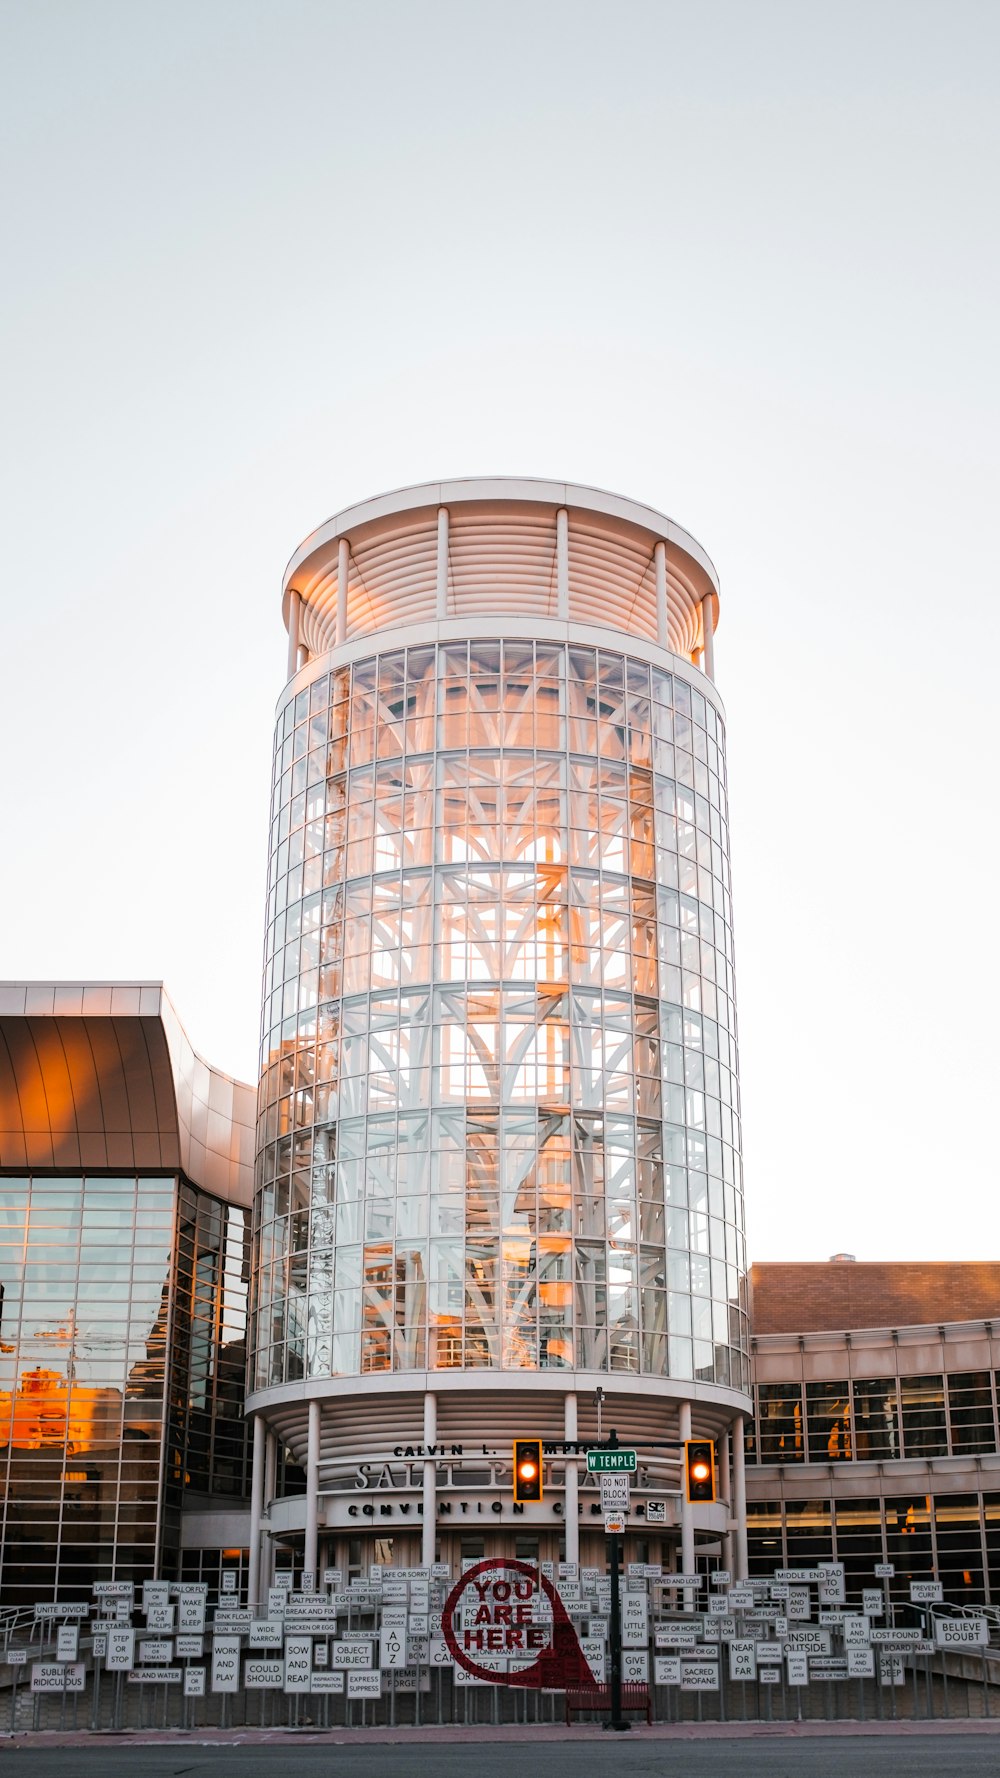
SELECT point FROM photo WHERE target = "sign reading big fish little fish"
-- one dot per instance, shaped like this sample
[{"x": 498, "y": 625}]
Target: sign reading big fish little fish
[{"x": 498, "y": 1621}]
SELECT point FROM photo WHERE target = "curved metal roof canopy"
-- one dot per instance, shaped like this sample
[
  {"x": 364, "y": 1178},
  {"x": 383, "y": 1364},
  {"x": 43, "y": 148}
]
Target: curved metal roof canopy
[{"x": 101, "y": 1075}]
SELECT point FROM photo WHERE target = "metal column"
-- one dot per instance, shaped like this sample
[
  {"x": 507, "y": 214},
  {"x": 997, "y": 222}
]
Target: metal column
[
  {"x": 343, "y": 578},
  {"x": 660, "y": 559},
  {"x": 562, "y": 565},
  {"x": 256, "y": 1507},
  {"x": 708, "y": 634},
  {"x": 687, "y": 1510},
  {"x": 441, "y": 600},
  {"x": 312, "y": 1490},
  {"x": 294, "y": 616},
  {"x": 739, "y": 1496},
  {"x": 429, "y": 1529},
  {"x": 571, "y": 1496}
]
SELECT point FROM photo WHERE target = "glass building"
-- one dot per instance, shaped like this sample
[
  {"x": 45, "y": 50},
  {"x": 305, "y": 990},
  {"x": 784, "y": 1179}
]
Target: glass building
[
  {"x": 125, "y": 1182},
  {"x": 499, "y": 1182}
]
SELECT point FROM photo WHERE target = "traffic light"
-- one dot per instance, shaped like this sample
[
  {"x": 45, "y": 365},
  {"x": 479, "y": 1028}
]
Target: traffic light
[
  {"x": 527, "y": 1469},
  {"x": 699, "y": 1470}
]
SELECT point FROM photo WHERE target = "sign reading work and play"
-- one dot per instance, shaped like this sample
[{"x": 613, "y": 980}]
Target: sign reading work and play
[{"x": 603, "y": 1462}]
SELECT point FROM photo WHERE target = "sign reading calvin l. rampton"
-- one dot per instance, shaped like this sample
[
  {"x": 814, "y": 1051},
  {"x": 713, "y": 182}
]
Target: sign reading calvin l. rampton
[{"x": 490, "y": 1614}]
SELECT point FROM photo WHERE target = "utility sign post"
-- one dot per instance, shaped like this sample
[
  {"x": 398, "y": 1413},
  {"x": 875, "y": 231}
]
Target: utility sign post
[{"x": 612, "y": 1463}]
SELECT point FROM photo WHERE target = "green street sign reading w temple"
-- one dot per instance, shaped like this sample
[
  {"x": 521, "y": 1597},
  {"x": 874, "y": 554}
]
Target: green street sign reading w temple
[{"x": 604, "y": 1461}]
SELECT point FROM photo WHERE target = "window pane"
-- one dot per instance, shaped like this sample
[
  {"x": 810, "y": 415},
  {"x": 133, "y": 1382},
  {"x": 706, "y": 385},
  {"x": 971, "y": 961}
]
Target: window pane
[
  {"x": 876, "y": 1419},
  {"x": 780, "y": 1423},
  {"x": 808, "y": 1532},
  {"x": 908, "y": 1541},
  {"x": 970, "y": 1409},
  {"x": 859, "y": 1544},
  {"x": 828, "y": 1409},
  {"x": 924, "y": 1433},
  {"x": 959, "y": 1548}
]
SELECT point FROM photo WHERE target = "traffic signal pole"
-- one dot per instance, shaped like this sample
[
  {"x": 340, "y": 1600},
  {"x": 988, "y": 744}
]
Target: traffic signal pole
[{"x": 616, "y": 1720}]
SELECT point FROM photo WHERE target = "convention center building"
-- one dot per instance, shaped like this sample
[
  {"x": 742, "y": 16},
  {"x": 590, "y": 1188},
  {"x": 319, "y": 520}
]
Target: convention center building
[{"x": 489, "y": 1184}]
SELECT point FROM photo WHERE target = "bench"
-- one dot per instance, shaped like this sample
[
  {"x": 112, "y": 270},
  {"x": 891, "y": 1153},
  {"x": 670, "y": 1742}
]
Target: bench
[{"x": 635, "y": 1699}]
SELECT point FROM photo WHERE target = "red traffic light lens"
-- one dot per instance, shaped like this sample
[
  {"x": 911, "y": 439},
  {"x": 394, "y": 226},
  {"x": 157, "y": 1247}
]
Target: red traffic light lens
[
  {"x": 527, "y": 1470},
  {"x": 699, "y": 1471}
]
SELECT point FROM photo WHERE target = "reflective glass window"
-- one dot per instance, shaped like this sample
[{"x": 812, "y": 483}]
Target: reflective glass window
[
  {"x": 780, "y": 1423},
  {"x": 925, "y": 1431}
]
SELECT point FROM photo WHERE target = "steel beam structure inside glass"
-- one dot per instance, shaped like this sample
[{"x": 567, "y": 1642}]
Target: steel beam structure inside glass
[{"x": 499, "y": 1113}]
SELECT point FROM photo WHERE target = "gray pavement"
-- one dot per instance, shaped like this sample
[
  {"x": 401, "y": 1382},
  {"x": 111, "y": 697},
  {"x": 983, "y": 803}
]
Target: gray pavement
[{"x": 587, "y": 1755}]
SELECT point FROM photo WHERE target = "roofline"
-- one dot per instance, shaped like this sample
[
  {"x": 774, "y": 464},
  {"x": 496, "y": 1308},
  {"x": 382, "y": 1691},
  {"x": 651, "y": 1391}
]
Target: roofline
[
  {"x": 35, "y": 993},
  {"x": 519, "y": 490}
]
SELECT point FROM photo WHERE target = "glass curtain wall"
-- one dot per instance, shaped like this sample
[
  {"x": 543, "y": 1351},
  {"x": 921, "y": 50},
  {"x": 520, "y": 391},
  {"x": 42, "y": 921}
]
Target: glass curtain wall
[
  {"x": 499, "y": 1115},
  {"x": 207, "y": 1447},
  {"x": 122, "y": 1310},
  {"x": 874, "y": 1419},
  {"x": 954, "y": 1537},
  {"x": 85, "y": 1268}
]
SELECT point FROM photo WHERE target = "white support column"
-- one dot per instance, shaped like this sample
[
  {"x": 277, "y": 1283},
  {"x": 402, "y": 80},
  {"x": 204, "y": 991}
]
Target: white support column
[
  {"x": 343, "y": 577},
  {"x": 708, "y": 635},
  {"x": 312, "y": 1489},
  {"x": 429, "y": 1530},
  {"x": 726, "y": 1493},
  {"x": 739, "y": 1497},
  {"x": 270, "y": 1488},
  {"x": 256, "y": 1507},
  {"x": 687, "y": 1510},
  {"x": 571, "y": 1499},
  {"x": 660, "y": 559},
  {"x": 441, "y": 600},
  {"x": 294, "y": 616},
  {"x": 562, "y": 568}
]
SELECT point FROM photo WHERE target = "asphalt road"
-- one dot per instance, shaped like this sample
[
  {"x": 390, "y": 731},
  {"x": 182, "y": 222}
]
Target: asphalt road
[{"x": 970, "y": 1756}]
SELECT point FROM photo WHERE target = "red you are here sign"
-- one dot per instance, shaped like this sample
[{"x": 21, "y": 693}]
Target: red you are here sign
[{"x": 497, "y": 1619}]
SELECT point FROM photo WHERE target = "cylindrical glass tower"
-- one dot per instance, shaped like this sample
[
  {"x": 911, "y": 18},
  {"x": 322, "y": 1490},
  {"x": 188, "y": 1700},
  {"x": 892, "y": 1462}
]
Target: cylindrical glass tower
[{"x": 499, "y": 1184}]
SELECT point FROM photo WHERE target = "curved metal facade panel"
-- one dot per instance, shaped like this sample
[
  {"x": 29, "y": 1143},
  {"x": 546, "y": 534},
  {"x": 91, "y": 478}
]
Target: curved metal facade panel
[
  {"x": 501, "y": 560},
  {"x": 82, "y": 1093},
  {"x": 115, "y": 1083}
]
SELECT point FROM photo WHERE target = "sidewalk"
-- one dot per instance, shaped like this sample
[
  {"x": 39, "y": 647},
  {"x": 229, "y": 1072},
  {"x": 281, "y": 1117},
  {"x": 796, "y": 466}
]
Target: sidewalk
[{"x": 516, "y": 1734}]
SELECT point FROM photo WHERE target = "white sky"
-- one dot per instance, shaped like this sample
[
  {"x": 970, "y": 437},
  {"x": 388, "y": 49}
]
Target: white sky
[{"x": 737, "y": 260}]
